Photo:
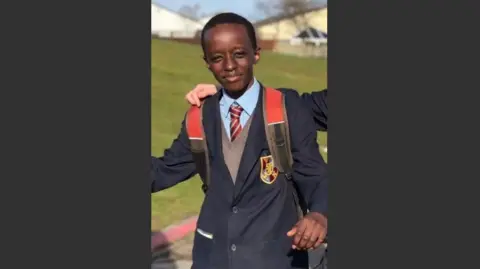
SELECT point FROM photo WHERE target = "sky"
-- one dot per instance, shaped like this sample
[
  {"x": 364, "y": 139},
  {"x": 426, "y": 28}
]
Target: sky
[{"x": 245, "y": 8}]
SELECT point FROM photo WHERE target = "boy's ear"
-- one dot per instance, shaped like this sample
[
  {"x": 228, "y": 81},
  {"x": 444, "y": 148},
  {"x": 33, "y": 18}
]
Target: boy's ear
[
  {"x": 257, "y": 55},
  {"x": 206, "y": 62}
]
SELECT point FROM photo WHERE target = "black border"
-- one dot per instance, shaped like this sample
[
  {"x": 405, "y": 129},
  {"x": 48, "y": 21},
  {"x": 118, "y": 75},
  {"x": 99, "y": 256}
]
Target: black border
[
  {"x": 402, "y": 113},
  {"x": 77, "y": 83},
  {"x": 76, "y": 136}
]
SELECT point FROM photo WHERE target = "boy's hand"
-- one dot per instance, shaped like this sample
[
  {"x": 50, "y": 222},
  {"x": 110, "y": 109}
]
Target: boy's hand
[
  {"x": 200, "y": 91},
  {"x": 309, "y": 232}
]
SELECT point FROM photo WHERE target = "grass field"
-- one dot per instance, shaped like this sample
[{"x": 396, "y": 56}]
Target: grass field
[{"x": 176, "y": 68}]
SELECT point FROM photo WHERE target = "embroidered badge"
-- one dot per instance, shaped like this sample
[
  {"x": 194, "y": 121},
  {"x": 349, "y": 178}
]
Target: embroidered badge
[{"x": 268, "y": 171}]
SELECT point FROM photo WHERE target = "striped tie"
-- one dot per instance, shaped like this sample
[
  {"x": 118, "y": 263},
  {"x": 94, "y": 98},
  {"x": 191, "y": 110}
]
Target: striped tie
[{"x": 235, "y": 126}]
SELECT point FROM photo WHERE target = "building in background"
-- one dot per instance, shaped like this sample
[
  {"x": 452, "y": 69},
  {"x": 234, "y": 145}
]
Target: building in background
[
  {"x": 302, "y": 33},
  {"x": 170, "y": 24},
  {"x": 286, "y": 27}
]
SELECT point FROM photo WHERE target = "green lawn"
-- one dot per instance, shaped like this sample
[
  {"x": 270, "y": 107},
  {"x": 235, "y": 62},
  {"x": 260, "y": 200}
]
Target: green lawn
[{"x": 176, "y": 68}]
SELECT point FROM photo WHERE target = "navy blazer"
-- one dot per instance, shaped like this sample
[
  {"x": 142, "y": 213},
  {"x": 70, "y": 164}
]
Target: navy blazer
[
  {"x": 317, "y": 103},
  {"x": 244, "y": 225}
]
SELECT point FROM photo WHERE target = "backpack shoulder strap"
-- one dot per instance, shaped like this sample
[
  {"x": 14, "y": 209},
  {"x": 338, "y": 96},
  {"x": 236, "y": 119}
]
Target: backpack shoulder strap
[
  {"x": 198, "y": 144},
  {"x": 276, "y": 128},
  {"x": 278, "y": 138}
]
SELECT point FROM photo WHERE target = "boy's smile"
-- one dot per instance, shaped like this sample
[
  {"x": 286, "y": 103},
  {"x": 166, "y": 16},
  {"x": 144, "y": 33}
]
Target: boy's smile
[{"x": 230, "y": 56}]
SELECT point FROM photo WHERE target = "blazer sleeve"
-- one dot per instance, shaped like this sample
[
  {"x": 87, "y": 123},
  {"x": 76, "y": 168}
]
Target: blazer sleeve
[
  {"x": 175, "y": 166},
  {"x": 317, "y": 103},
  {"x": 309, "y": 168}
]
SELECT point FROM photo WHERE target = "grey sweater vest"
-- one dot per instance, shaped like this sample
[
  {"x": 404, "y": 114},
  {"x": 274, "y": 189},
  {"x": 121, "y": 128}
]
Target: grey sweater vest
[{"x": 233, "y": 151}]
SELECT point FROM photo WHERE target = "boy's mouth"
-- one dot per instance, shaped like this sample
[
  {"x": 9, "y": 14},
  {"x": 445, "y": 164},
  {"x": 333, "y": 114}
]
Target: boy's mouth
[{"x": 233, "y": 78}]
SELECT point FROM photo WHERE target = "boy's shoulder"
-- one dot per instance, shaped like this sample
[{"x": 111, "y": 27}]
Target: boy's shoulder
[
  {"x": 212, "y": 99},
  {"x": 288, "y": 91},
  {"x": 292, "y": 97}
]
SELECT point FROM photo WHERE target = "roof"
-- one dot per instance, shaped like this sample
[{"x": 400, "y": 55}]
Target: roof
[
  {"x": 311, "y": 32},
  {"x": 287, "y": 16}
]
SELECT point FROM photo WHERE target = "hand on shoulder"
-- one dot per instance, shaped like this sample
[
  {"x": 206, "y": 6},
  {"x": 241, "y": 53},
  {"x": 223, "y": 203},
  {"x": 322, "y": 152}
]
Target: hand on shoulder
[{"x": 201, "y": 91}]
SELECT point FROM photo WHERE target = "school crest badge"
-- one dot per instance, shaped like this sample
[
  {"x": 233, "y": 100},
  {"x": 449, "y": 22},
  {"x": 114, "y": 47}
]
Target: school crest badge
[{"x": 268, "y": 171}]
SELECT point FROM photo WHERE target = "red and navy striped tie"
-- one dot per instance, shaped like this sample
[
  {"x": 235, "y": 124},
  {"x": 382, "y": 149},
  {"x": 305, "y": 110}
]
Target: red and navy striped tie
[{"x": 235, "y": 126}]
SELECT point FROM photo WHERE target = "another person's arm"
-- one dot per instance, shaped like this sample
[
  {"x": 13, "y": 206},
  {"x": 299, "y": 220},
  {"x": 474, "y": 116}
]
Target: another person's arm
[
  {"x": 195, "y": 96},
  {"x": 309, "y": 174},
  {"x": 176, "y": 164},
  {"x": 316, "y": 102}
]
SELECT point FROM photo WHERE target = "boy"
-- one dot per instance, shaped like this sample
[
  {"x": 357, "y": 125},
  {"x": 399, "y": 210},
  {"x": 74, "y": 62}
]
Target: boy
[{"x": 246, "y": 220}]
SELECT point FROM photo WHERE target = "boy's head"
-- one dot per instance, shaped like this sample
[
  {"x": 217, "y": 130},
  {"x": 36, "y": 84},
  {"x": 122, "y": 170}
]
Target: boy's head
[{"x": 230, "y": 50}]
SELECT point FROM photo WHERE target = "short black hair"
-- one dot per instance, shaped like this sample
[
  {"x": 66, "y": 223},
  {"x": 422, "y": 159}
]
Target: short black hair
[{"x": 227, "y": 18}]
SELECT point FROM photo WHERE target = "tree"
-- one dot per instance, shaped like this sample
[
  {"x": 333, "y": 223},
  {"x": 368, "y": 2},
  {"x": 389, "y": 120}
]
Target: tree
[
  {"x": 285, "y": 7},
  {"x": 191, "y": 11}
]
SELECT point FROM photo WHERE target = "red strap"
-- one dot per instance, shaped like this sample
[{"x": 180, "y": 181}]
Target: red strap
[
  {"x": 274, "y": 109},
  {"x": 194, "y": 123},
  {"x": 274, "y": 106}
]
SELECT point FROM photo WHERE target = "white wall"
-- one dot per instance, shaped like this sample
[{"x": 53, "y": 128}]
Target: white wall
[
  {"x": 164, "y": 22},
  {"x": 204, "y": 20}
]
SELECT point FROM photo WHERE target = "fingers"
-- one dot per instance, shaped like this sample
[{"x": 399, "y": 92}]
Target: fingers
[
  {"x": 298, "y": 240},
  {"x": 192, "y": 99},
  {"x": 311, "y": 235},
  {"x": 196, "y": 100},
  {"x": 207, "y": 90},
  {"x": 200, "y": 91},
  {"x": 305, "y": 240},
  {"x": 320, "y": 238},
  {"x": 307, "y": 234},
  {"x": 292, "y": 232},
  {"x": 192, "y": 96}
]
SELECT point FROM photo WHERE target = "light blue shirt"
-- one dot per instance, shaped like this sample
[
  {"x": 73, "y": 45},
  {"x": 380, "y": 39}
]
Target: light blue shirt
[{"x": 248, "y": 101}]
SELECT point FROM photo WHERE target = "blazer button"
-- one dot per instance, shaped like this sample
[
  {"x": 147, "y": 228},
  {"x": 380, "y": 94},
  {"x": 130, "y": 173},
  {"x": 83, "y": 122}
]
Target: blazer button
[
  {"x": 235, "y": 210},
  {"x": 233, "y": 247}
]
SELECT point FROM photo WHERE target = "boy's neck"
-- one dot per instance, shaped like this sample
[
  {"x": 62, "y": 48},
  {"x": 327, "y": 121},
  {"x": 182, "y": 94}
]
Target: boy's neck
[{"x": 238, "y": 94}]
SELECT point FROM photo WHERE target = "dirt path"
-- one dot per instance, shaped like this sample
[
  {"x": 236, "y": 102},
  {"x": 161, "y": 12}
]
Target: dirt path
[{"x": 176, "y": 256}]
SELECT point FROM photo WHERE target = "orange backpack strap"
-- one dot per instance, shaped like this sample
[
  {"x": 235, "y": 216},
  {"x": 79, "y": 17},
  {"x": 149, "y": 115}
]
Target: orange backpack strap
[
  {"x": 198, "y": 144},
  {"x": 278, "y": 138},
  {"x": 276, "y": 128}
]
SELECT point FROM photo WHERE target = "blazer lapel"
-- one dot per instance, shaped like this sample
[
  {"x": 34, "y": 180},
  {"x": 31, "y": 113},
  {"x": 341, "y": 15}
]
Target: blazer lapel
[
  {"x": 213, "y": 125},
  {"x": 253, "y": 147}
]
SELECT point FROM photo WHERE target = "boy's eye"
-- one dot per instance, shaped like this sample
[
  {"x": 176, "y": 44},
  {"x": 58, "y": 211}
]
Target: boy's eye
[
  {"x": 240, "y": 54},
  {"x": 216, "y": 58}
]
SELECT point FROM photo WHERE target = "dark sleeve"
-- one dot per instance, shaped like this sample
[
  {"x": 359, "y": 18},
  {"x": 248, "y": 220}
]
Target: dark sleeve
[
  {"x": 317, "y": 104},
  {"x": 309, "y": 168},
  {"x": 176, "y": 164}
]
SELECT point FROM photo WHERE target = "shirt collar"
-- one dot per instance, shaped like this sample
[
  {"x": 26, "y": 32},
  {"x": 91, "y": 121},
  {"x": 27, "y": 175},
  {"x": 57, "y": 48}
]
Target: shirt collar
[{"x": 248, "y": 101}]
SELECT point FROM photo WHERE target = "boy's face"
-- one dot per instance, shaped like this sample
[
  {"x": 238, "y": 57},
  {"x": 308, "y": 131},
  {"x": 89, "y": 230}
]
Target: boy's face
[{"x": 230, "y": 56}]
